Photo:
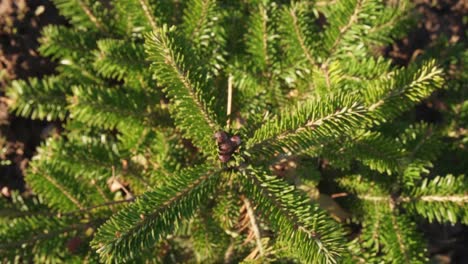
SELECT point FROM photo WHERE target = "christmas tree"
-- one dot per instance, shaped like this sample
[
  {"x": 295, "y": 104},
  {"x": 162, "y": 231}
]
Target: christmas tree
[{"x": 213, "y": 131}]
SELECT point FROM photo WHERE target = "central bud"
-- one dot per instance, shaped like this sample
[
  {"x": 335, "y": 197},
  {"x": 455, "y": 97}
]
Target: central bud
[{"x": 226, "y": 145}]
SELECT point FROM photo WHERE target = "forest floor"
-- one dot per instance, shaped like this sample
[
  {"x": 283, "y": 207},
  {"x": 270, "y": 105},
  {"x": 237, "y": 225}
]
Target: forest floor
[{"x": 22, "y": 20}]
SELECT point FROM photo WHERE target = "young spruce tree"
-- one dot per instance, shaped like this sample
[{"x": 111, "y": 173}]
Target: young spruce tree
[{"x": 211, "y": 131}]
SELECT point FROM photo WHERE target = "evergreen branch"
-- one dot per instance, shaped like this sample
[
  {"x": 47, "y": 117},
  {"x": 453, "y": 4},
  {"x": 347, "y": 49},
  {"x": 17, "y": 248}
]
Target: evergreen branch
[
  {"x": 91, "y": 16},
  {"x": 364, "y": 71},
  {"x": 45, "y": 240},
  {"x": 92, "y": 160},
  {"x": 205, "y": 36},
  {"x": 460, "y": 199},
  {"x": 186, "y": 100},
  {"x": 92, "y": 208},
  {"x": 146, "y": 8},
  {"x": 414, "y": 171},
  {"x": 301, "y": 225},
  {"x": 372, "y": 149},
  {"x": 39, "y": 239},
  {"x": 93, "y": 154},
  {"x": 390, "y": 23},
  {"x": 400, "y": 231},
  {"x": 137, "y": 16},
  {"x": 373, "y": 225},
  {"x": 311, "y": 123},
  {"x": 345, "y": 28},
  {"x": 110, "y": 108},
  {"x": 376, "y": 227},
  {"x": 258, "y": 38},
  {"x": 359, "y": 254},
  {"x": 121, "y": 60},
  {"x": 208, "y": 239},
  {"x": 367, "y": 188},
  {"x": 44, "y": 236},
  {"x": 186, "y": 83},
  {"x": 300, "y": 38},
  {"x": 196, "y": 16},
  {"x": 60, "y": 43},
  {"x": 373, "y": 198},
  {"x": 39, "y": 99},
  {"x": 424, "y": 139},
  {"x": 60, "y": 187},
  {"x": 401, "y": 242},
  {"x": 422, "y": 143},
  {"x": 79, "y": 12},
  {"x": 154, "y": 215},
  {"x": 442, "y": 199},
  {"x": 387, "y": 24},
  {"x": 226, "y": 211},
  {"x": 69, "y": 213},
  {"x": 78, "y": 74},
  {"x": 291, "y": 27},
  {"x": 264, "y": 19},
  {"x": 325, "y": 3},
  {"x": 350, "y": 27},
  {"x": 419, "y": 86},
  {"x": 306, "y": 116}
]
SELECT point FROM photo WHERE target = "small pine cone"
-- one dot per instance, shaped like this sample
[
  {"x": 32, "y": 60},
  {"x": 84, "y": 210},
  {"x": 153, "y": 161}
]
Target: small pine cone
[
  {"x": 221, "y": 137},
  {"x": 74, "y": 244},
  {"x": 224, "y": 157},
  {"x": 236, "y": 140},
  {"x": 225, "y": 148}
]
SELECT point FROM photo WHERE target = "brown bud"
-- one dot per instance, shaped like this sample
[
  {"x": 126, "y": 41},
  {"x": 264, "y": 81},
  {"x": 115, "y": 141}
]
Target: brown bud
[
  {"x": 236, "y": 140},
  {"x": 278, "y": 167},
  {"x": 224, "y": 157},
  {"x": 225, "y": 148},
  {"x": 6, "y": 191},
  {"x": 221, "y": 136},
  {"x": 73, "y": 244}
]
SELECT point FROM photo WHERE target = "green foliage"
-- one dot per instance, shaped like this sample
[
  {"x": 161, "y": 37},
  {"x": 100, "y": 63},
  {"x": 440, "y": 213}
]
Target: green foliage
[
  {"x": 184, "y": 90},
  {"x": 153, "y": 216},
  {"x": 39, "y": 239},
  {"x": 122, "y": 108},
  {"x": 135, "y": 174},
  {"x": 311, "y": 123},
  {"x": 84, "y": 14},
  {"x": 440, "y": 199},
  {"x": 136, "y": 16},
  {"x": 120, "y": 60},
  {"x": 302, "y": 227},
  {"x": 41, "y": 99}
]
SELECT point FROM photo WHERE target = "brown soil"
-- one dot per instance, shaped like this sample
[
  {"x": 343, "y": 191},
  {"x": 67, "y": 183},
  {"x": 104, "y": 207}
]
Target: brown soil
[
  {"x": 20, "y": 25},
  {"x": 437, "y": 18}
]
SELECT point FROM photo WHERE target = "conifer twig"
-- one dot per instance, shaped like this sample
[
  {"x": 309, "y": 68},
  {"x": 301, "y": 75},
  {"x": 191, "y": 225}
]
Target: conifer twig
[
  {"x": 146, "y": 9},
  {"x": 203, "y": 16},
  {"x": 399, "y": 236},
  {"x": 88, "y": 209},
  {"x": 60, "y": 187},
  {"x": 91, "y": 16},
  {"x": 84, "y": 210},
  {"x": 43, "y": 236},
  {"x": 253, "y": 224},
  {"x": 229, "y": 100},
  {"x": 300, "y": 37}
]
